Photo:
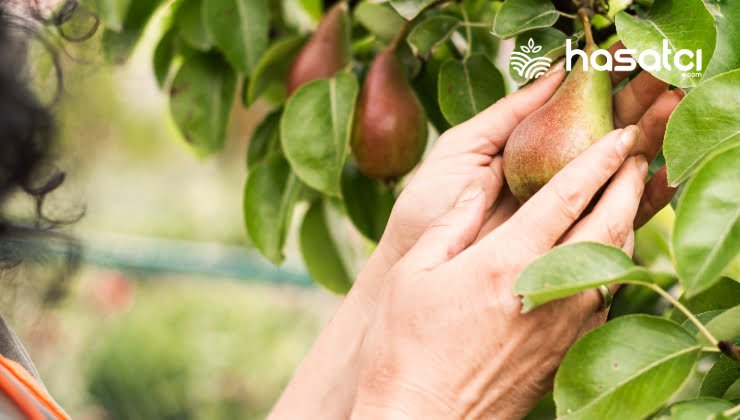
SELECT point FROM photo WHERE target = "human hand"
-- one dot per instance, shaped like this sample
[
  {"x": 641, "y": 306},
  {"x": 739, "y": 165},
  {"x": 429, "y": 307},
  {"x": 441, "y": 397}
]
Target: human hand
[
  {"x": 471, "y": 153},
  {"x": 448, "y": 339}
]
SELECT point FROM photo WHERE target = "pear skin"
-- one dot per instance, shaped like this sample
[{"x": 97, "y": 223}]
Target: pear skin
[
  {"x": 326, "y": 52},
  {"x": 390, "y": 129},
  {"x": 577, "y": 115}
]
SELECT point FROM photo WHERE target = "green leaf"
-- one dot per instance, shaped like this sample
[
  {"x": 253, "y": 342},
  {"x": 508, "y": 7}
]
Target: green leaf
[
  {"x": 700, "y": 408},
  {"x": 706, "y": 120},
  {"x": 239, "y": 28},
  {"x": 431, "y": 32},
  {"x": 189, "y": 22},
  {"x": 315, "y": 130},
  {"x": 129, "y": 19},
  {"x": 722, "y": 295},
  {"x": 265, "y": 139},
  {"x": 668, "y": 20},
  {"x": 272, "y": 70},
  {"x": 706, "y": 234},
  {"x": 552, "y": 42},
  {"x": 320, "y": 251},
  {"x": 426, "y": 87},
  {"x": 569, "y": 269},
  {"x": 703, "y": 317},
  {"x": 379, "y": 18},
  {"x": 409, "y": 9},
  {"x": 200, "y": 101},
  {"x": 723, "y": 373},
  {"x": 607, "y": 373},
  {"x": 368, "y": 202},
  {"x": 270, "y": 195},
  {"x": 468, "y": 87},
  {"x": 164, "y": 53},
  {"x": 516, "y": 16},
  {"x": 726, "y": 55},
  {"x": 725, "y": 326}
]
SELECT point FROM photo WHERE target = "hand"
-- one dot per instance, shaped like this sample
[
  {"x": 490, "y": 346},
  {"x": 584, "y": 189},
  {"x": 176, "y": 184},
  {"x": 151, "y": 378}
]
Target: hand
[
  {"x": 448, "y": 340},
  {"x": 471, "y": 153},
  {"x": 466, "y": 154}
]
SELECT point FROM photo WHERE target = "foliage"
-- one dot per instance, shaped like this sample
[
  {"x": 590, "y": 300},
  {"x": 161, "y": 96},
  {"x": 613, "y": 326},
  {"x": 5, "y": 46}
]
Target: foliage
[{"x": 300, "y": 153}]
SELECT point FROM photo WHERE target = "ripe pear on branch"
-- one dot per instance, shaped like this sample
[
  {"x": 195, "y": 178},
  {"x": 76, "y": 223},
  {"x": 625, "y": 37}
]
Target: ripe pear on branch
[
  {"x": 577, "y": 115},
  {"x": 328, "y": 50},
  {"x": 390, "y": 128}
]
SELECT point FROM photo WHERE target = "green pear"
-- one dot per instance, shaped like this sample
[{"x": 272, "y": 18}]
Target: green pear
[
  {"x": 390, "y": 129},
  {"x": 576, "y": 116},
  {"x": 328, "y": 51}
]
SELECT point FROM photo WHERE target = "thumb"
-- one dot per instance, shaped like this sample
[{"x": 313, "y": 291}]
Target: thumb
[{"x": 451, "y": 233}]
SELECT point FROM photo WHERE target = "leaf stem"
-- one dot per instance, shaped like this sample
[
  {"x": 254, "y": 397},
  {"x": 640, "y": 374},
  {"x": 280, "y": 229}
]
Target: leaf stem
[
  {"x": 476, "y": 24},
  {"x": 678, "y": 305},
  {"x": 711, "y": 350},
  {"x": 468, "y": 34},
  {"x": 568, "y": 15}
]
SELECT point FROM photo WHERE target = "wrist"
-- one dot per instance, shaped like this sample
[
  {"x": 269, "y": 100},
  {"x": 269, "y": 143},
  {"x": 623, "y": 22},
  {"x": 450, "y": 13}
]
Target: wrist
[{"x": 395, "y": 400}]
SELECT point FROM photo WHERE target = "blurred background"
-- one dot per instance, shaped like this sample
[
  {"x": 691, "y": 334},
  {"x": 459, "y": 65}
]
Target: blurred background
[{"x": 171, "y": 315}]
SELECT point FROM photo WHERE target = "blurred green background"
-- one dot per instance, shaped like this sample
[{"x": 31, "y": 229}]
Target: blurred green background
[{"x": 141, "y": 333}]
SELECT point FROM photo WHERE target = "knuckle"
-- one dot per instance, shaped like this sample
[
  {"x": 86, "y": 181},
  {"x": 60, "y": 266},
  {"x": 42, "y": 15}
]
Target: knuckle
[
  {"x": 569, "y": 200},
  {"x": 617, "y": 232}
]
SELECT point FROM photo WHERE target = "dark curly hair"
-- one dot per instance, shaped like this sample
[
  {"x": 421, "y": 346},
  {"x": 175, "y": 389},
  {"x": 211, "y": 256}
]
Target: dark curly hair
[{"x": 27, "y": 137}]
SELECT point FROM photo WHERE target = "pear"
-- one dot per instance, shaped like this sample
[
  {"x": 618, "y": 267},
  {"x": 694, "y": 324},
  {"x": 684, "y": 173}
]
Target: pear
[
  {"x": 326, "y": 52},
  {"x": 577, "y": 115},
  {"x": 390, "y": 129}
]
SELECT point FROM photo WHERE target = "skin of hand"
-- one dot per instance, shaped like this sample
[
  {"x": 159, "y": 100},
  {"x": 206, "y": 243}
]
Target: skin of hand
[
  {"x": 468, "y": 154},
  {"x": 449, "y": 341}
]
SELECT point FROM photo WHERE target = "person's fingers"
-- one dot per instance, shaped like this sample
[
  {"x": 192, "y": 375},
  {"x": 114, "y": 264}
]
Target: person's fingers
[
  {"x": 631, "y": 102},
  {"x": 495, "y": 123},
  {"x": 657, "y": 195},
  {"x": 451, "y": 233},
  {"x": 629, "y": 244},
  {"x": 542, "y": 220},
  {"x": 500, "y": 212},
  {"x": 653, "y": 124},
  {"x": 610, "y": 222}
]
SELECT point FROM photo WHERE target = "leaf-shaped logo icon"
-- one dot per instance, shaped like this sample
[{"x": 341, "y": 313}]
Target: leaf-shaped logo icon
[
  {"x": 530, "y": 44},
  {"x": 536, "y": 49},
  {"x": 525, "y": 48}
]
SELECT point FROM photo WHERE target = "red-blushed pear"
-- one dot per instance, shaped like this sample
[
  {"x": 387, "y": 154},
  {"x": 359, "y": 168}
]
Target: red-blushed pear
[
  {"x": 390, "y": 128},
  {"x": 577, "y": 115},
  {"x": 326, "y": 52}
]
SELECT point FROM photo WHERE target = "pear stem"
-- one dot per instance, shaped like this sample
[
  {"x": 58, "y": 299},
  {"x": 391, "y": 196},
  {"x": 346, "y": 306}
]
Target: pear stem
[{"x": 584, "y": 14}]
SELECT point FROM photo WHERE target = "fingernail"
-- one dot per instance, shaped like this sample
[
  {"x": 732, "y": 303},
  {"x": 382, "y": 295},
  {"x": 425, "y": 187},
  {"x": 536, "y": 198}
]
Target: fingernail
[
  {"x": 556, "y": 68},
  {"x": 628, "y": 139},
  {"x": 680, "y": 93},
  {"x": 470, "y": 194}
]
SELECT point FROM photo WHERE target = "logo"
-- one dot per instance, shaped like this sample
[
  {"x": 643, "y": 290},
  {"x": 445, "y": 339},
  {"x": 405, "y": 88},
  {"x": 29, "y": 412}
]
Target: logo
[{"x": 526, "y": 66}]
